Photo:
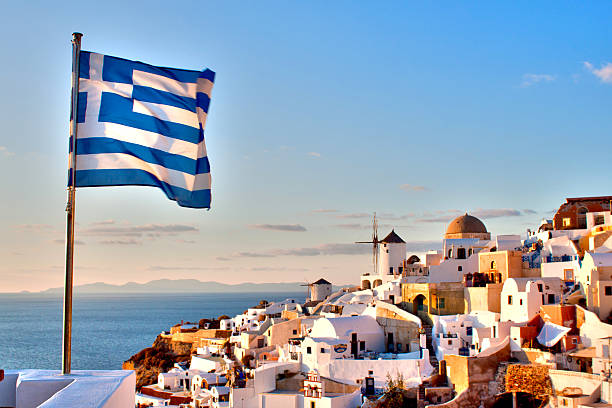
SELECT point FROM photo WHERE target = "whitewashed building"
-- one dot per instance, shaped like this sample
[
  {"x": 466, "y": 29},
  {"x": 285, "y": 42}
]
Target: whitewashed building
[{"x": 521, "y": 298}]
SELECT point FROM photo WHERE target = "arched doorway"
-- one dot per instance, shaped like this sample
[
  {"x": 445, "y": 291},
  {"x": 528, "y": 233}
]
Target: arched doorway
[
  {"x": 461, "y": 253},
  {"x": 376, "y": 283},
  {"x": 365, "y": 285},
  {"x": 419, "y": 304}
]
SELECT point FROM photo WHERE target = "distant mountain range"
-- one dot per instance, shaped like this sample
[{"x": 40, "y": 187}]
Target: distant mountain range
[{"x": 179, "y": 286}]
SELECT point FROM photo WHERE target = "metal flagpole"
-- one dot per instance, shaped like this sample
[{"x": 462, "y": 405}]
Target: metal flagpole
[{"x": 66, "y": 355}]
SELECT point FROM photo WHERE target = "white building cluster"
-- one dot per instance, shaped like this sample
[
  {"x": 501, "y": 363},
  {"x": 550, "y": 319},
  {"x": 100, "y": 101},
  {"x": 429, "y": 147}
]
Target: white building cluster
[{"x": 448, "y": 323}]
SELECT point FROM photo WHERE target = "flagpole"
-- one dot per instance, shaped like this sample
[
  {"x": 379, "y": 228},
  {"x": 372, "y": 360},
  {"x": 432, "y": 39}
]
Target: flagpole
[{"x": 67, "y": 346}]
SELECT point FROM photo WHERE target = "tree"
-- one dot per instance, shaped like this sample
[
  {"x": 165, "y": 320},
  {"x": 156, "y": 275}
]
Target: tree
[{"x": 394, "y": 393}]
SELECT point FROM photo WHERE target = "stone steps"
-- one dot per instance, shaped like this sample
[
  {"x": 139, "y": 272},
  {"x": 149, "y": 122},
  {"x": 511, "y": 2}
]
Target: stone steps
[{"x": 433, "y": 360}]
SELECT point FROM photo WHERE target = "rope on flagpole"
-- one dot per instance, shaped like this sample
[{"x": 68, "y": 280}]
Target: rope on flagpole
[{"x": 67, "y": 340}]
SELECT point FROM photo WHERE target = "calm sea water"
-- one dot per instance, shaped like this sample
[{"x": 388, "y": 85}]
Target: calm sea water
[{"x": 107, "y": 329}]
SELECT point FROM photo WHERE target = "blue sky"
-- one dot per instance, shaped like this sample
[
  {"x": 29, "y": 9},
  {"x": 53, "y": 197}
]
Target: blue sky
[{"x": 419, "y": 111}]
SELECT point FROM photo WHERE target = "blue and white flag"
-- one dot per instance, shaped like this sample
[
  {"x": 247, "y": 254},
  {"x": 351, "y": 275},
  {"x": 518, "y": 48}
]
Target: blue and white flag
[{"x": 143, "y": 125}]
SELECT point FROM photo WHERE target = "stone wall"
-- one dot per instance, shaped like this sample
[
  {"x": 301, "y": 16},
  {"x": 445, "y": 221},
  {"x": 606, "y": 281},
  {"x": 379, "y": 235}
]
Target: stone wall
[
  {"x": 529, "y": 378},
  {"x": 483, "y": 298},
  {"x": 464, "y": 372}
]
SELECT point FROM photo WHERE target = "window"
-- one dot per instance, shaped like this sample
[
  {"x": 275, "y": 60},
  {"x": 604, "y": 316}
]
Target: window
[
  {"x": 493, "y": 265},
  {"x": 568, "y": 274},
  {"x": 521, "y": 302},
  {"x": 441, "y": 303},
  {"x": 312, "y": 404},
  {"x": 461, "y": 253},
  {"x": 574, "y": 341},
  {"x": 362, "y": 345},
  {"x": 450, "y": 253},
  {"x": 567, "y": 222},
  {"x": 539, "y": 287},
  {"x": 468, "y": 330},
  {"x": 308, "y": 350},
  {"x": 294, "y": 331},
  {"x": 599, "y": 219},
  {"x": 608, "y": 290},
  {"x": 470, "y": 252},
  {"x": 551, "y": 298},
  {"x": 450, "y": 342},
  {"x": 390, "y": 270},
  {"x": 399, "y": 347},
  {"x": 509, "y": 299},
  {"x": 322, "y": 350},
  {"x": 460, "y": 268}
]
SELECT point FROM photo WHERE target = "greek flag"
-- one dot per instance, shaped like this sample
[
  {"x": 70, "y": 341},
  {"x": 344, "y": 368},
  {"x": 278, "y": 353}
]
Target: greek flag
[{"x": 143, "y": 125}]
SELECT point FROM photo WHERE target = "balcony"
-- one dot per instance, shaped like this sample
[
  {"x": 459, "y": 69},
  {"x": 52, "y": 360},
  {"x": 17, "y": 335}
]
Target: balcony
[{"x": 562, "y": 258}]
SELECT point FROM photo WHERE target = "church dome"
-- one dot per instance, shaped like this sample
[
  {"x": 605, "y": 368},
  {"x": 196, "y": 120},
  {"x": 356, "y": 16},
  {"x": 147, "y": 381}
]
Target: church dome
[{"x": 466, "y": 224}]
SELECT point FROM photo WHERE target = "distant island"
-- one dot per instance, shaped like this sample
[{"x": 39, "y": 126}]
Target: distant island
[{"x": 178, "y": 286}]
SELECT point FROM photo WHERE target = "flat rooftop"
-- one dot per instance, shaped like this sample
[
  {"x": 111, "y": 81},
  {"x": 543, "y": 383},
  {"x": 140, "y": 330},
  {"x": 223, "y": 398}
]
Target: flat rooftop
[{"x": 81, "y": 388}]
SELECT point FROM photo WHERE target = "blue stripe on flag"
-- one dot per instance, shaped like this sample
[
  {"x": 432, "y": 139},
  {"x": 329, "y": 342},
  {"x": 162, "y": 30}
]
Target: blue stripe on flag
[
  {"x": 117, "y": 109},
  {"x": 124, "y": 177},
  {"x": 120, "y": 70},
  {"x": 208, "y": 74},
  {"x": 146, "y": 94},
  {"x": 203, "y": 101},
  {"x": 84, "y": 64},
  {"x": 81, "y": 107},
  {"x": 97, "y": 145}
]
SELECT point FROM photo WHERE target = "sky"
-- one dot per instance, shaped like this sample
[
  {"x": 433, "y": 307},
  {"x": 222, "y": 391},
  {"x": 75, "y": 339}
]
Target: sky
[{"x": 322, "y": 113}]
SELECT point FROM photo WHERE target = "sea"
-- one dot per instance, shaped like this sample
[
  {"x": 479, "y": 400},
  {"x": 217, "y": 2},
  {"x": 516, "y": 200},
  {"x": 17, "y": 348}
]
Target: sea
[{"x": 106, "y": 329}]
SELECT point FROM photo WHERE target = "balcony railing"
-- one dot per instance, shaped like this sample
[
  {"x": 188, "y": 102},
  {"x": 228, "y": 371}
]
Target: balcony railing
[{"x": 562, "y": 258}]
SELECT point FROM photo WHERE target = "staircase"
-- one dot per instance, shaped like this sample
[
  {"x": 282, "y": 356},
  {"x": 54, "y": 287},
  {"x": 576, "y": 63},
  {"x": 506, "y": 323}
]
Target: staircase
[{"x": 432, "y": 355}]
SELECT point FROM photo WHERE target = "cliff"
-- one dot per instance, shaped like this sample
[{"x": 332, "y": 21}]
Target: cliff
[{"x": 158, "y": 358}]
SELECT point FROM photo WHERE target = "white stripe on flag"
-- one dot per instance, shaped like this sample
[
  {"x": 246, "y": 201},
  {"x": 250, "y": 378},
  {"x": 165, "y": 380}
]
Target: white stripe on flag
[
  {"x": 167, "y": 112},
  {"x": 205, "y": 86},
  {"x": 110, "y": 161},
  {"x": 141, "y": 137},
  {"x": 164, "y": 84}
]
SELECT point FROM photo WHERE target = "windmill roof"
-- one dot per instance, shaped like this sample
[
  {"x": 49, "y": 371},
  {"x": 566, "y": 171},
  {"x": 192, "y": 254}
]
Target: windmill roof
[
  {"x": 322, "y": 282},
  {"x": 393, "y": 238}
]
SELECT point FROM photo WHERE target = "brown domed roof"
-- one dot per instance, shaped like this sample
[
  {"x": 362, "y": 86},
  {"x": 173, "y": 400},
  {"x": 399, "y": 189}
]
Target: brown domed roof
[{"x": 466, "y": 224}]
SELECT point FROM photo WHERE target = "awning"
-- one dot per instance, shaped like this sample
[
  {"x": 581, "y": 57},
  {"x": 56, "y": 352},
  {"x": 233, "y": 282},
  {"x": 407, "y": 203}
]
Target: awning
[
  {"x": 588, "y": 352},
  {"x": 551, "y": 334}
]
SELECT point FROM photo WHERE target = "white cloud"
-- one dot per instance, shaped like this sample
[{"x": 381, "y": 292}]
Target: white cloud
[
  {"x": 103, "y": 222},
  {"x": 354, "y": 215},
  {"x": 121, "y": 242},
  {"x": 6, "y": 152},
  {"x": 412, "y": 187},
  {"x": 108, "y": 228},
  {"x": 496, "y": 213},
  {"x": 324, "y": 210},
  {"x": 279, "y": 227},
  {"x": 604, "y": 73},
  {"x": 531, "y": 79},
  {"x": 314, "y": 154}
]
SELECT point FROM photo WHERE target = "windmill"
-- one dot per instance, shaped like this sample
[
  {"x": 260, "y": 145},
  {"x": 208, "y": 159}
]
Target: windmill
[
  {"x": 308, "y": 285},
  {"x": 374, "y": 243}
]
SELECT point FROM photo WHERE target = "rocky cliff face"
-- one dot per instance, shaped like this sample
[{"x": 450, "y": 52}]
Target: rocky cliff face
[{"x": 158, "y": 358}]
